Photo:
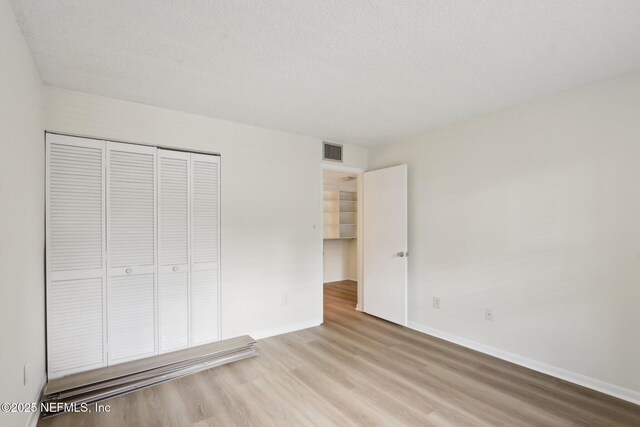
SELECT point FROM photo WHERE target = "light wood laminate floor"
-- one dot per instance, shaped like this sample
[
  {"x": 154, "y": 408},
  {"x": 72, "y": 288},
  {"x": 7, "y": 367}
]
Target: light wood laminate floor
[{"x": 358, "y": 370}]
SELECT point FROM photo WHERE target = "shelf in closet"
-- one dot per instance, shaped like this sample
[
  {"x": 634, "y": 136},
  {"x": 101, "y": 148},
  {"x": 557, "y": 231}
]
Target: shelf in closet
[{"x": 340, "y": 214}]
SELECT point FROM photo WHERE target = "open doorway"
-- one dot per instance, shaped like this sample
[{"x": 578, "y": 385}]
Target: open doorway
[{"x": 341, "y": 234}]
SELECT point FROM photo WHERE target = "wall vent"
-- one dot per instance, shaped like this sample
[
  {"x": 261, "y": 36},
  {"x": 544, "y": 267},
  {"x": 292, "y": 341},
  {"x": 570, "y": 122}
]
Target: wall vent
[{"x": 331, "y": 151}]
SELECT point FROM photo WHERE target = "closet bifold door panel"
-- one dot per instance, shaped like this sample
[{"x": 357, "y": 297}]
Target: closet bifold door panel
[
  {"x": 205, "y": 248},
  {"x": 131, "y": 246},
  {"x": 173, "y": 250},
  {"x": 75, "y": 250}
]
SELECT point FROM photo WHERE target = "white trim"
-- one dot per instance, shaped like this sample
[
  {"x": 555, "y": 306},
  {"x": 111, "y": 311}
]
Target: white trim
[
  {"x": 105, "y": 258},
  {"x": 47, "y": 246},
  {"x": 219, "y": 161},
  {"x": 285, "y": 329},
  {"x": 156, "y": 250},
  {"x": 570, "y": 376},
  {"x": 32, "y": 421},
  {"x": 321, "y": 245},
  {"x": 341, "y": 168},
  {"x": 360, "y": 242},
  {"x": 190, "y": 250},
  {"x": 106, "y": 200}
]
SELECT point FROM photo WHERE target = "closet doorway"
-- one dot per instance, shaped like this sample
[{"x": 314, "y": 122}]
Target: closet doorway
[{"x": 342, "y": 240}]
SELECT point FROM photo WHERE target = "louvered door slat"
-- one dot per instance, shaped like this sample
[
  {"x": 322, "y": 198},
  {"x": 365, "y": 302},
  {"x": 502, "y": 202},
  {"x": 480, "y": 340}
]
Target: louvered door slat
[
  {"x": 75, "y": 243},
  {"x": 131, "y": 317},
  {"x": 75, "y": 255},
  {"x": 173, "y": 303},
  {"x": 131, "y": 234},
  {"x": 204, "y": 306},
  {"x": 205, "y": 205},
  {"x": 131, "y": 206},
  {"x": 205, "y": 208},
  {"x": 75, "y": 325},
  {"x": 173, "y": 241}
]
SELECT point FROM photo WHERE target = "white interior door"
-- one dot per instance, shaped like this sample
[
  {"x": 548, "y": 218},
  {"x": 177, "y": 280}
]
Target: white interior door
[
  {"x": 385, "y": 243},
  {"x": 131, "y": 245},
  {"x": 173, "y": 250}
]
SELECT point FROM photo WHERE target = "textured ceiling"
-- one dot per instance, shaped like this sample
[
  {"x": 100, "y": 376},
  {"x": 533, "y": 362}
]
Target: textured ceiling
[{"x": 364, "y": 72}]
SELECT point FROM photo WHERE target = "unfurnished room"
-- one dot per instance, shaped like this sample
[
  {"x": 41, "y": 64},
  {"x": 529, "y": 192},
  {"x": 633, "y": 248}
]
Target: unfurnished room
[{"x": 319, "y": 213}]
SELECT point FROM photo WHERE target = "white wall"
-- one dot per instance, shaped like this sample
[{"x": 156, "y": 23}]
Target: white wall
[
  {"x": 271, "y": 202},
  {"x": 21, "y": 221},
  {"x": 534, "y": 212},
  {"x": 340, "y": 260}
]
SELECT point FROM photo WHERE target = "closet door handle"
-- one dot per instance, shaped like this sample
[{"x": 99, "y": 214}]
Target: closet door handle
[
  {"x": 129, "y": 270},
  {"x": 176, "y": 268}
]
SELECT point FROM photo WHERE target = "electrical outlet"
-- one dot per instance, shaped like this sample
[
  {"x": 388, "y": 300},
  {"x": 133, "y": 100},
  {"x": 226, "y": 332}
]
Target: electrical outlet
[
  {"x": 24, "y": 373},
  {"x": 488, "y": 314},
  {"x": 436, "y": 302},
  {"x": 285, "y": 299}
]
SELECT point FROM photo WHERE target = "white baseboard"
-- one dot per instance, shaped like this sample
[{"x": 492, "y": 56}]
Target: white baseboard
[
  {"x": 32, "y": 421},
  {"x": 570, "y": 376},
  {"x": 285, "y": 329}
]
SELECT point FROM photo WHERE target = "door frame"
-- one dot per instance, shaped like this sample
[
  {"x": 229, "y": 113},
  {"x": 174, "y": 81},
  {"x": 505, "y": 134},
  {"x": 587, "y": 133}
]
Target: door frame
[{"x": 359, "y": 230}]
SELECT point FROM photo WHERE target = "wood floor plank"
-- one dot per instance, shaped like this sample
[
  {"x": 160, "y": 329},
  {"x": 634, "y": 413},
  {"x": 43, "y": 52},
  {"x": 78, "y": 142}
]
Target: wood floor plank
[{"x": 358, "y": 370}]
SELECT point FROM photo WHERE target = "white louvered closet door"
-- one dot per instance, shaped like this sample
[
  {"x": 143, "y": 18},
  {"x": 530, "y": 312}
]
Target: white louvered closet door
[
  {"x": 131, "y": 245},
  {"x": 173, "y": 250},
  {"x": 75, "y": 255},
  {"x": 205, "y": 248}
]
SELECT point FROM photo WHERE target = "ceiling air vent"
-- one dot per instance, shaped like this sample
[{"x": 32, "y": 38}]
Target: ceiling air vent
[{"x": 332, "y": 151}]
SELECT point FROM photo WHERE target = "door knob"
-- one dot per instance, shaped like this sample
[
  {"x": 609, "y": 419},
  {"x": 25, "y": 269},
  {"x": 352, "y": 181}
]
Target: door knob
[
  {"x": 400, "y": 254},
  {"x": 129, "y": 270},
  {"x": 176, "y": 268}
]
